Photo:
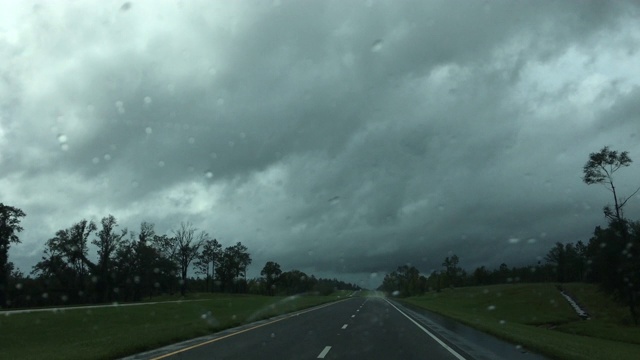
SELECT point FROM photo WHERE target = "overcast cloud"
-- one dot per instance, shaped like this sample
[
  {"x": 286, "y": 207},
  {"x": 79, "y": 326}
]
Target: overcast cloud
[{"x": 342, "y": 138}]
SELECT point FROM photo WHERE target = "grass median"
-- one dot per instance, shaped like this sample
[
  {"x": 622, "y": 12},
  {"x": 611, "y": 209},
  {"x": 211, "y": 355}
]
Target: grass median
[
  {"x": 111, "y": 332},
  {"x": 537, "y": 317}
]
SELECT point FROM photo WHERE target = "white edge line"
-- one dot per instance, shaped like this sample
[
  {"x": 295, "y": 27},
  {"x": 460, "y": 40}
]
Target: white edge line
[
  {"x": 447, "y": 347},
  {"x": 324, "y": 352}
]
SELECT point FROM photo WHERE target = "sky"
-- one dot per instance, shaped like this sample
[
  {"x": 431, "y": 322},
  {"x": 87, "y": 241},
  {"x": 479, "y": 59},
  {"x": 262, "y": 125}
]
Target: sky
[{"x": 340, "y": 138}]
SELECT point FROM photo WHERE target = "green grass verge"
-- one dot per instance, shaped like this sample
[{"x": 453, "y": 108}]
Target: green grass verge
[
  {"x": 106, "y": 333},
  {"x": 537, "y": 317}
]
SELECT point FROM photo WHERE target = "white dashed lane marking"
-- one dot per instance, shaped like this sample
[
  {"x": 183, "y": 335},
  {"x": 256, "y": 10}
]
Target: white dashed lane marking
[{"x": 324, "y": 352}]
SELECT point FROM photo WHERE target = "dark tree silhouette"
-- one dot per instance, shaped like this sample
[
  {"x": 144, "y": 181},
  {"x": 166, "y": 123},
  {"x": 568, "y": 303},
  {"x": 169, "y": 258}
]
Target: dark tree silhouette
[
  {"x": 187, "y": 246},
  {"x": 108, "y": 243},
  {"x": 452, "y": 270},
  {"x": 9, "y": 227},
  {"x": 271, "y": 272},
  {"x": 599, "y": 169},
  {"x": 206, "y": 262},
  {"x": 233, "y": 266}
]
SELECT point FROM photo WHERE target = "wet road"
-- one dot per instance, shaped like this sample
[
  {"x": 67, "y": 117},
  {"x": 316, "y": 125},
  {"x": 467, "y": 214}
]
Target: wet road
[{"x": 357, "y": 328}]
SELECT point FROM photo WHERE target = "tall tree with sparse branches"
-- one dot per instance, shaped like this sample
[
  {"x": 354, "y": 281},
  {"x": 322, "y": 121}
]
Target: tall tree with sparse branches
[
  {"x": 600, "y": 169},
  {"x": 621, "y": 267}
]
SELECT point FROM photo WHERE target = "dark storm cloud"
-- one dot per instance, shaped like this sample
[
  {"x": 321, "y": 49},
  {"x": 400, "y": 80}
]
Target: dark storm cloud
[{"x": 340, "y": 138}]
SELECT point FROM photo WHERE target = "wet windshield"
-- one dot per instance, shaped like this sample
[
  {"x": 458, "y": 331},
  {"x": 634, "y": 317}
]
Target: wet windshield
[{"x": 237, "y": 154}]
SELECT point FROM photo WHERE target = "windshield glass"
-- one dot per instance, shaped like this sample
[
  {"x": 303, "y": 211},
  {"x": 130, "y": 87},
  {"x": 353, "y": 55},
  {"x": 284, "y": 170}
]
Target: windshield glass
[{"x": 154, "y": 149}]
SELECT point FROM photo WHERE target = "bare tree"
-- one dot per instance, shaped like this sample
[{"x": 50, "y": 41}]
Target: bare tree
[{"x": 187, "y": 246}]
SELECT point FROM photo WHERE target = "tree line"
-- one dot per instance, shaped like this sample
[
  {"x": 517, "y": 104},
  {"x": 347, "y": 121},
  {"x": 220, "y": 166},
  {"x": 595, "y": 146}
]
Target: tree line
[
  {"x": 131, "y": 266},
  {"x": 610, "y": 258}
]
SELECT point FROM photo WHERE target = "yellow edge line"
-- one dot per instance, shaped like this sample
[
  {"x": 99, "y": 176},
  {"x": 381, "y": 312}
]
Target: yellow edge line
[{"x": 245, "y": 330}]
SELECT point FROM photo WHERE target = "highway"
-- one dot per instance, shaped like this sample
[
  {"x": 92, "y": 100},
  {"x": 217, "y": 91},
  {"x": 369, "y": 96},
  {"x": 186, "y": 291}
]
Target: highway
[{"x": 356, "y": 328}]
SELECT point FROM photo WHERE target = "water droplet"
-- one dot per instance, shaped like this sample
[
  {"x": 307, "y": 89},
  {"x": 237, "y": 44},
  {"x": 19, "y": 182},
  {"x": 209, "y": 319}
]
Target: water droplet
[
  {"x": 220, "y": 101},
  {"x": 212, "y": 71},
  {"x": 147, "y": 100},
  {"x": 491, "y": 307},
  {"x": 19, "y": 286},
  {"x": 107, "y": 157},
  {"x": 62, "y": 138},
  {"x": 213, "y": 155},
  {"x": 208, "y": 174},
  {"x": 377, "y": 45},
  {"x": 161, "y": 163},
  {"x": 531, "y": 241},
  {"x": 134, "y": 184},
  {"x": 95, "y": 160},
  {"x": 502, "y": 322},
  {"x": 191, "y": 140},
  {"x": 514, "y": 240},
  {"x": 64, "y": 147},
  {"x": 273, "y": 335},
  {"x": 125, "y": 7},
  {"x": 148, "y": 130}
]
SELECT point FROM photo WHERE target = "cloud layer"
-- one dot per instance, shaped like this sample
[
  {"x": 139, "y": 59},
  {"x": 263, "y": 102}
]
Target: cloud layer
[{"x": 340, "y": 138}]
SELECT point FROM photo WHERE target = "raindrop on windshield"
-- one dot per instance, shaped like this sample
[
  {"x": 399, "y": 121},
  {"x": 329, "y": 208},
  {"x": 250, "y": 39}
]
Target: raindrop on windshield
[
  {"x": 208, "y": 174},
  {"x": 377, "y": 45}
]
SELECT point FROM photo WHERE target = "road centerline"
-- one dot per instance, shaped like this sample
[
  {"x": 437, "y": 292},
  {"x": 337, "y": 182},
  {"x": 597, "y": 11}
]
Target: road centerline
[{"x": 324, "y": 352}]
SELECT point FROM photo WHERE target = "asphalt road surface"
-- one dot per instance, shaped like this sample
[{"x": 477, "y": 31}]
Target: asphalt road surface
[{"x": 356, "y": 328}]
